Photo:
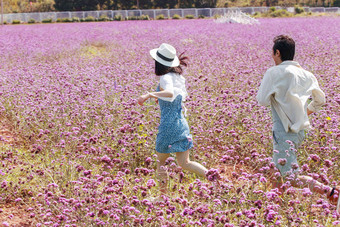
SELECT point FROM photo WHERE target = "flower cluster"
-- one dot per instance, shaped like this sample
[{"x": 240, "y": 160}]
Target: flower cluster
[{"x": 85, "y": 154}]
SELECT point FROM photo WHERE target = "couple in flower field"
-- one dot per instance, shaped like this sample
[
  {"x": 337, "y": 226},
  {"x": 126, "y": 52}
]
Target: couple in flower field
[{"x": 285, "y": 87}]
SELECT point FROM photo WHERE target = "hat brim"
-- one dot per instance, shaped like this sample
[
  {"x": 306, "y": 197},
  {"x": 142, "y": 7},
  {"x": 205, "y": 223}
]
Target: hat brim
[{"x": 173, "y": 63}]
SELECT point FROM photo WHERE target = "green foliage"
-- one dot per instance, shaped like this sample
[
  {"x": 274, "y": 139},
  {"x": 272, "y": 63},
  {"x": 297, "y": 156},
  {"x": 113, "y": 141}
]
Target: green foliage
[
  {"x": 58, "y": 20},
  {"x": 336, "y": 3},
  {"x": 201, "y": 16},
  {"x": 132, "y": 18},
  {"x": 272, "y": 12},
  {"x": 66, "y": 20},
  {"x": 31, "y": 21},
  {"x": 299, "y": 9},
  {"x": 143, "y": 17},
  {"x": 16, "y": 22},
  {"x": 24, "y": 6},
  {"x": 217, "y": 16},
  {"x": 272, "y": 9},
  {"x": 280, "y": 13},
  {"x": 75, "y": 19},
  {"x": 80, "y": 5},
  {"x": 118, "y": 17},
  {"x": 176, "y": 17},
  {"x": 90, "y": 19},
  {"x": 47, "y": 20},
  {"x": 160, "y": 17},
  {"x": 190, "y": 16},
  {"x": 103, "y": 18}
]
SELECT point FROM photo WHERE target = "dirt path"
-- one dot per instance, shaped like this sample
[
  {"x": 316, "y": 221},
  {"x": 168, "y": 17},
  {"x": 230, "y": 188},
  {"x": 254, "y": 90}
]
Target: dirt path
[
  {"x": 11, "y": 214},
  {"x": 7, "y": 134}
]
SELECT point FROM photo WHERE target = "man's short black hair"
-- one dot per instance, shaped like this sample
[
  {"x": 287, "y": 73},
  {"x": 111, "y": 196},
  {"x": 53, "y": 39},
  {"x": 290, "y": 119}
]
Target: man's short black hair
[{"x": 286, "y": 46}]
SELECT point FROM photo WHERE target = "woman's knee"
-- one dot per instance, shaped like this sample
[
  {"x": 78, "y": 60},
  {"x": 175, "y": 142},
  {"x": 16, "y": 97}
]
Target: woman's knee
[{"x": 161, "y": 158}]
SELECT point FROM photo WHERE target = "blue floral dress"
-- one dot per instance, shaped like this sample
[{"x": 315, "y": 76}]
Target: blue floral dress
[{"x": 173, "y": 131}]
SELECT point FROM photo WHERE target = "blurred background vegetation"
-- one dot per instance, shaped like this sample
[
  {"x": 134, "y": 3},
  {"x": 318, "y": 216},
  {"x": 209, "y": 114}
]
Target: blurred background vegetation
[{"x": 23, "y": 6}]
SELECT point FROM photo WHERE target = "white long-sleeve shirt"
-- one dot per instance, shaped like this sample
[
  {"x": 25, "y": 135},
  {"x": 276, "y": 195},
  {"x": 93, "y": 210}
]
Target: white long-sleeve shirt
[{"x": 287, "y": 87}]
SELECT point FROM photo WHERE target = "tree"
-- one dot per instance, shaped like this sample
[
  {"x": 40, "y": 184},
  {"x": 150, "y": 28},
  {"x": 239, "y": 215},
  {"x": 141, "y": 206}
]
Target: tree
[
  {"x": 271, "y": 2},
  {"x": 205, "y": 3},
  {"x": 78, "y": 5},
  {"x": 103, "y": 4},
  {"x": 127, "y": 4},
  {"x": 165, "y": 4},
  {"x": 81, "y": 5},
  {"x": 145, "y": 4},
  {"x": 63, "y": 5},
  {"x": 24, "y": 6},
  {"x": 109, "y": 4},
  {"x": 336, "y": 3}
]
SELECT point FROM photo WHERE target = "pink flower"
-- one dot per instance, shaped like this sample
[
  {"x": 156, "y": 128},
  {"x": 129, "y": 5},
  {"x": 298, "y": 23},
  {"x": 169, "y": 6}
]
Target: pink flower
[
  {"x": 151, "y": 183},
  {"x": 263, "y": 180}
]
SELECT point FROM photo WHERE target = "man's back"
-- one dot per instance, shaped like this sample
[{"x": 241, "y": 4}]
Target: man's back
[{"x": 287, "y": 87}]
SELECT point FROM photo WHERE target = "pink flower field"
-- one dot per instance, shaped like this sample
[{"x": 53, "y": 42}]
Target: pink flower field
[{"x": 80, "y": 152}]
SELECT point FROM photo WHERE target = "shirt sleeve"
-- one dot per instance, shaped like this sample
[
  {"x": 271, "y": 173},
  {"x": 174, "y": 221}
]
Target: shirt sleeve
[
  {"x": 318, "y": 98},
  {"x": 166, "y": 83},
  {"x": 266, "y": 90}
]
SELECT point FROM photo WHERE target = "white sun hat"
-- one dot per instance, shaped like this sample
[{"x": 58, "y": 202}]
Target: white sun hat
[{"x": 166, "y": 55}]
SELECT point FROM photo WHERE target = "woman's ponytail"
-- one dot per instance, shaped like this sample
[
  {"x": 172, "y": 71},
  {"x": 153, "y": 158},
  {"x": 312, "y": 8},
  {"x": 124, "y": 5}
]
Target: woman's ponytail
[{"x": 183, "y": 61}]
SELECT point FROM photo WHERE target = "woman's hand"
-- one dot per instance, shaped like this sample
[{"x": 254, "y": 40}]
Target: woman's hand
[{"x": 142, "y": 99}]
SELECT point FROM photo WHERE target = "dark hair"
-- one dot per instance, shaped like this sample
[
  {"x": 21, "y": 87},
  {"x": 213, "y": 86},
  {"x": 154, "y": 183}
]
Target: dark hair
[
  {"x": 286, "y": 46},
  {"x": 161, "y": 69}
]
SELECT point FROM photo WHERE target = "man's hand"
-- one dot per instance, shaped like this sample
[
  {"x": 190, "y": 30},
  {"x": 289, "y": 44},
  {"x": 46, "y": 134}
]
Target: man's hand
[{"x": 309, "y": 112}]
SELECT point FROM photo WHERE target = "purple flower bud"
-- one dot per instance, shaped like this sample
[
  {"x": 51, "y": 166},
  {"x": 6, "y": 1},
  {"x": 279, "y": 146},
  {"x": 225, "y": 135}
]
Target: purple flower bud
[
  {"x": 295, "y": 166},
  {"x": 263, "y": 180},
  {"x": 282, "y": 161}
]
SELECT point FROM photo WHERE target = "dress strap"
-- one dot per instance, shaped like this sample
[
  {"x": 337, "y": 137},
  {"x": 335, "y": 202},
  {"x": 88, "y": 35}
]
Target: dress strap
[{"x": 185, "y": 110}]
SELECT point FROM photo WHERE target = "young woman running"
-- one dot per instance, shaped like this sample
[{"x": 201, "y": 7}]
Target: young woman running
[{"x": 173, "y": 132}]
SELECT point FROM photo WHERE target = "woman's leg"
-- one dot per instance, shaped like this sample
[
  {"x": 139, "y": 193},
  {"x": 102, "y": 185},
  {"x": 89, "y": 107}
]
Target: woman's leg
[
  {"x": 162, "y": 174},
  {"x": 194, "y": 167}
]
